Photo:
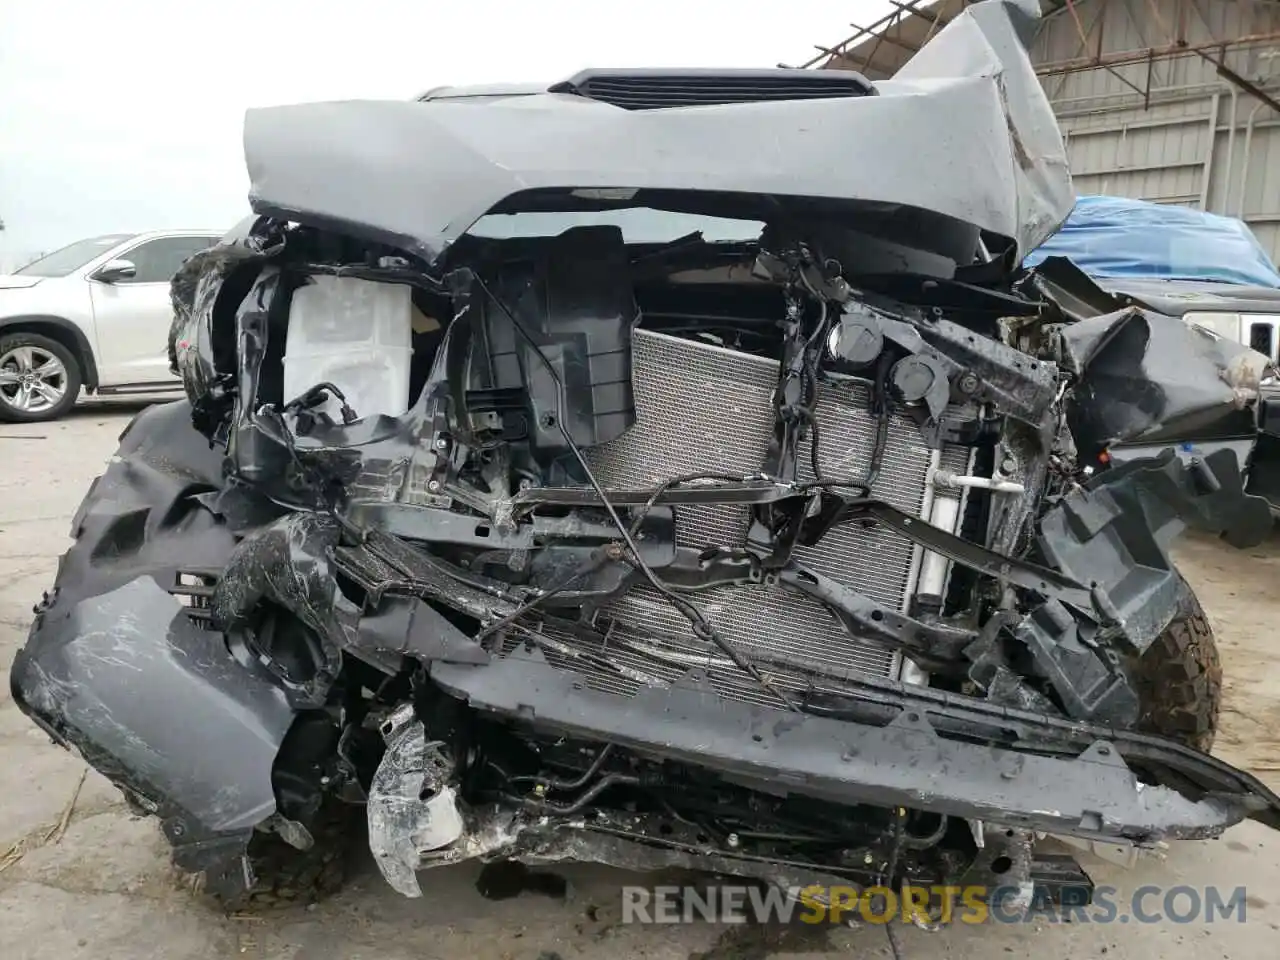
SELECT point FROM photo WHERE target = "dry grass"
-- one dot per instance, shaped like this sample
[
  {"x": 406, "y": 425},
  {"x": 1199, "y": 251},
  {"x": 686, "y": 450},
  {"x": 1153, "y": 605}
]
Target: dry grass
[{"x": 44, "y": 836}]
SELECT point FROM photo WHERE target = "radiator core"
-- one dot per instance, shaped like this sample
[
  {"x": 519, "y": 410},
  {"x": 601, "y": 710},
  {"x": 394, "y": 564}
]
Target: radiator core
[{"x": 702, "y": 407}]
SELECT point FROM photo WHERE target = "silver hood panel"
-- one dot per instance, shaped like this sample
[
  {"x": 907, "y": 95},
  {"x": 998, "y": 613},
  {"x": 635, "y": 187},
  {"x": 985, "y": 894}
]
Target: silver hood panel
[{"x": 964, "y": 131}]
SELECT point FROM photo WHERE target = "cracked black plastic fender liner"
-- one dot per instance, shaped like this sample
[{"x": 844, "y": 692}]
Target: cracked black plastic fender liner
[
  {"x": 1115, "y": 532},
  {"x": 287, "y": 563}
]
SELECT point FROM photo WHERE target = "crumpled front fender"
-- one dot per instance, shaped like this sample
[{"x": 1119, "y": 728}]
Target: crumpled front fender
[{"x": 1144, "y": 376}]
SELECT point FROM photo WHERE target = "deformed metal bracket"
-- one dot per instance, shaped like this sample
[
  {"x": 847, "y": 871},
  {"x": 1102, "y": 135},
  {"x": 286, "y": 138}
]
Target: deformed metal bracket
[
  {"x": 1022, "y": 573},
  {"x": 1094, "y": 794}
]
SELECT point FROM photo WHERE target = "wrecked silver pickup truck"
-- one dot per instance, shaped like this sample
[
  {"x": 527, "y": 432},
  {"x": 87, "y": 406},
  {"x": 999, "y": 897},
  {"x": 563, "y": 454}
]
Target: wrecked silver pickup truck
[{"x": 662, "y": 468}]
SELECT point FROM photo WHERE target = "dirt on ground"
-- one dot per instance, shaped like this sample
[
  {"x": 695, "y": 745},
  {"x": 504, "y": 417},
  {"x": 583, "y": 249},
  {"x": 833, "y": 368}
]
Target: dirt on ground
[{"x": 1240, "y": 591}]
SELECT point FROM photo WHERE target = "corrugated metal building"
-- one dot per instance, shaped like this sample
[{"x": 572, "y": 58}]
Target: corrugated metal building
[{"x": 1175, "y": 101}]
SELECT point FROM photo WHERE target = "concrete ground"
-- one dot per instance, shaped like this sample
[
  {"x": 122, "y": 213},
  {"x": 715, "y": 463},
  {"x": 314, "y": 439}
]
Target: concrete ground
[{"x": 83, "y": 878}]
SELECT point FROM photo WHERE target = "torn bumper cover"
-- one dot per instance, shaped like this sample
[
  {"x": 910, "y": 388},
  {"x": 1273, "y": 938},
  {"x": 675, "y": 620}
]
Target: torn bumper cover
[
  {"x": 417, "y": 821},
  {"x": 906, "y": 762},
  {"x": 196, "y": 747},
  {"x": 208, "y": 777},
  {"x": 890, "y": 744}
]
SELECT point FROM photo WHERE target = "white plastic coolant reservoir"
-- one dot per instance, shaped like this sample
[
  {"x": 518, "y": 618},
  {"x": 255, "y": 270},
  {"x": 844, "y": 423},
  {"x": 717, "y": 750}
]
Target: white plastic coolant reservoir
[{"x": 355, "y": 334}]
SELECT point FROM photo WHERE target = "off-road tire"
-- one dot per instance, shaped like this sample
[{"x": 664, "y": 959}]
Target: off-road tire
[
  {"x": 1179, "y": 681},
  {"x": 74, "y": 378},
  {"x": 287, "y": 876}
]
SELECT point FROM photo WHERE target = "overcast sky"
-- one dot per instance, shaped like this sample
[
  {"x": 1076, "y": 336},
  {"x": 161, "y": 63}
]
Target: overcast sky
[{"x": 127, "y": 116}]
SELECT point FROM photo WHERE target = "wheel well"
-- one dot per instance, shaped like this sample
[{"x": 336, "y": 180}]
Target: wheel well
[{"x": 64, "y": 332}]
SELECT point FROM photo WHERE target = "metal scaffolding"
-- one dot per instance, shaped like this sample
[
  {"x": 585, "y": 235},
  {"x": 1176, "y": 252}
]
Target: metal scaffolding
[
  {"x": 895, "y": 29},
  {"x": 880, "y": 48}
]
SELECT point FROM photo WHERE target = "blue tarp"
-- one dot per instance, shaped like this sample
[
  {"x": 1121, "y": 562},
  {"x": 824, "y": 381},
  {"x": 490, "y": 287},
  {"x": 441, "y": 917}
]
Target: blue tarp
[{"x": 1117, "y": 237}]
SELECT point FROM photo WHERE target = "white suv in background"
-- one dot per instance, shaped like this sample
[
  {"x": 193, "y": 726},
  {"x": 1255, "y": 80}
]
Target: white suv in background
[{"x": 94, "y": 314}]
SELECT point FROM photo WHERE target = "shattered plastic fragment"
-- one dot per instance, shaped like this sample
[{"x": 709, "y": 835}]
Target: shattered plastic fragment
[{"x": 413, "y": 810}]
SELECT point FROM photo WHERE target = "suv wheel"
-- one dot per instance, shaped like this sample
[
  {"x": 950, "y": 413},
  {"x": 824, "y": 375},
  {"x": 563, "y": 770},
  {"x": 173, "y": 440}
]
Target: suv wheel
[
  {"x": 1179, "y": 681},
  {"x": 39, "y": 378}
]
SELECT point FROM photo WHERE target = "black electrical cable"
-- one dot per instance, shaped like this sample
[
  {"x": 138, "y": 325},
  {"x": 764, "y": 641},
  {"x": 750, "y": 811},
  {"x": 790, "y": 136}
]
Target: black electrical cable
[
  {"x": 808, "y": 413},
  {"x": 815, "y": 441},
  {"x": 596, "y": 560},
  {"x": 820, "y": 330},
  {"x": 313, "y": 475},
  {"x": 882, "y": 408},
  {"x": 702, "y": 627}
]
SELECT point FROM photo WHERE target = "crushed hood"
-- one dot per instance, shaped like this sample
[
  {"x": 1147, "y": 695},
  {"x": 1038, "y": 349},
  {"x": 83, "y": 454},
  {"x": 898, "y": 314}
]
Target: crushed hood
[{"x": 963, "y": 131}]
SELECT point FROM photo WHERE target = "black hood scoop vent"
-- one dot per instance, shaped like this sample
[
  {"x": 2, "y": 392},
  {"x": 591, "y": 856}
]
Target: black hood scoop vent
[{"x": 658, "y": 89}]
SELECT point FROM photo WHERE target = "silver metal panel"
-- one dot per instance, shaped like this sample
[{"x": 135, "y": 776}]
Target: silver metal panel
[{"x": 1193, "y": 138}]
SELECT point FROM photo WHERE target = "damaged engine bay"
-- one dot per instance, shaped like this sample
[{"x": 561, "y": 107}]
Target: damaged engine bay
[{"x": 796, "y": 556}]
